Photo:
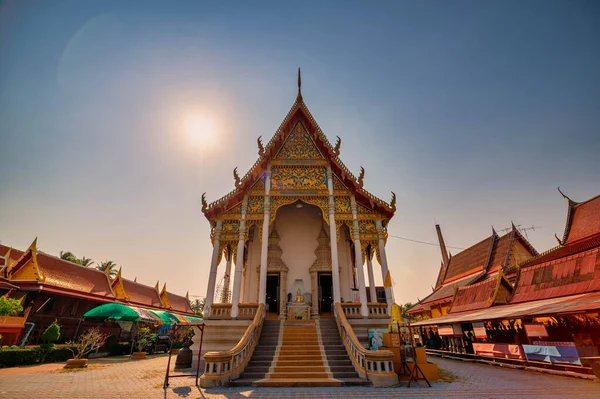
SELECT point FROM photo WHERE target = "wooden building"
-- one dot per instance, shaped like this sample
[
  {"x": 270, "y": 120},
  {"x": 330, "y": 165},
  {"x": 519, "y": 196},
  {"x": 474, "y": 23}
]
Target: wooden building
[{"x": 55, "y": 289}]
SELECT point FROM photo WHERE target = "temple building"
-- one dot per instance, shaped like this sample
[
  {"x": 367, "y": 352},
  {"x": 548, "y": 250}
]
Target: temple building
[
  {"x": 295, "y": 234},
  {"x": 54, "y": 289},
  {"x": 298, "y": 219},
  {"x": 549, "y": 312},
  {"x": 492, "y": 261}
]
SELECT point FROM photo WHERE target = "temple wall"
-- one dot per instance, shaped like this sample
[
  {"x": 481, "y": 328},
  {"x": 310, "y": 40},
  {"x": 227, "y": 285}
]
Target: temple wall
[{"x": 298, "y": 229}]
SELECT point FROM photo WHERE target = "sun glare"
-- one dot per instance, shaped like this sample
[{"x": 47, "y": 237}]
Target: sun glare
[{"x": 199, "y": 129}]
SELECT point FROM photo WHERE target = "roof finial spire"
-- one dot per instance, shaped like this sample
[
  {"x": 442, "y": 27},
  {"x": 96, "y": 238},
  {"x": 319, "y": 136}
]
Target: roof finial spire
[{"x": 299, "y": 98}]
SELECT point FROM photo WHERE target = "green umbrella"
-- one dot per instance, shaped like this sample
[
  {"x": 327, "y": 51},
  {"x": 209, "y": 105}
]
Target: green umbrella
[
  {"x": 166, "y": 317},
  {"x": 117, "y": 312}
]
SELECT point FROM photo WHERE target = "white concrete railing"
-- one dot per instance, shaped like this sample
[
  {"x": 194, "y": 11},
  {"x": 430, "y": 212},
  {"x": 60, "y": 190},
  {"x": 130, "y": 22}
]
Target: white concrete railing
[
  {"x": 222, "y": 367},
  {"x": 220, "y": 311},
  {"x": 376, "y": 310},
  {"x": 376, "y": 366}
]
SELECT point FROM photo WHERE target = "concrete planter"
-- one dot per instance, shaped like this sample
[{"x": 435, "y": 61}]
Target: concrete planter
[
  {"x": 76, "y": 363},
  {"x": 138, "y": 355}
]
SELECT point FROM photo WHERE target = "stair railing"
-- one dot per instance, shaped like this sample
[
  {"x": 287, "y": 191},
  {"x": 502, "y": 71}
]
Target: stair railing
[
  {"x": 375, "y": 366},
  {"x": 222, "y": 367}
]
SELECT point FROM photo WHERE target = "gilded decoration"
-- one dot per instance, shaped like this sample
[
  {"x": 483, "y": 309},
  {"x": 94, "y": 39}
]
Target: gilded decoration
[
  {"x": 342, "y": 205},
  {"x": 255, "y": 204},
  {"x": 299, "y": 145},
  {"x": 299, "y": 178},
  {"x": 258, "y": 188},
  {"x": 339, "y": 187},
  {"x": 320, "y": 201}
]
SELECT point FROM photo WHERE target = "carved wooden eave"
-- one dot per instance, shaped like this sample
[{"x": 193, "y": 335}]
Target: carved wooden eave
[
  {"x": 26, "y": 268},
  {"x": 118, "y": 288},
  {"x": 298, "y": 113}
]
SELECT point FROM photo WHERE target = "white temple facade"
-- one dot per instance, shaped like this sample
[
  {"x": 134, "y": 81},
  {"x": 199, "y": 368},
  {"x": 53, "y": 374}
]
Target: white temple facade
[{"x": 298, "y": 222}]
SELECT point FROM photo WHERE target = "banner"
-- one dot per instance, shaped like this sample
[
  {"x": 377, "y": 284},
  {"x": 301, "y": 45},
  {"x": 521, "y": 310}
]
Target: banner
[
  {"x": 535, "y": 330},
  {"x": 479, "y": 330}
]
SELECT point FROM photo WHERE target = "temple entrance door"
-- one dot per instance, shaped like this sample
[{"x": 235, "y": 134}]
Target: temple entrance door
[
  {"x": 325, "y": 292},
  {"x": 272, "y": 293}
]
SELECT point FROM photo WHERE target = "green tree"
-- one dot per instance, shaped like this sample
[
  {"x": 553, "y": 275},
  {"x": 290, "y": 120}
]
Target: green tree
[
  {"x": 10, "y": 306},
  {"x": 51, "y": 335},
  {"x": 68, "y": 256},
  {"x": 83, "y": 261},
  {"x": 198, "y": 306},
  {"x": 143, "y": 338},
  {"x": 109, "y": 267},
  {"x": 405, "y": 308}
]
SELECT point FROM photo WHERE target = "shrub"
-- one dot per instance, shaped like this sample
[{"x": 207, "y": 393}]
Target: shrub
[
  {"x": 117, "y": 349},
  {"x": 143, "y": 338},
  {"x": 51, "y": 335},
  {"x": 9, "y": 306},
  {"x": 86, "y": 343},
  {"x": 26, "y": 356}
]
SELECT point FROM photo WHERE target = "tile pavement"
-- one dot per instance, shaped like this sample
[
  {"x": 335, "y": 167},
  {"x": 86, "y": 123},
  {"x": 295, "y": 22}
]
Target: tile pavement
[{"x": 143, "y": 379}]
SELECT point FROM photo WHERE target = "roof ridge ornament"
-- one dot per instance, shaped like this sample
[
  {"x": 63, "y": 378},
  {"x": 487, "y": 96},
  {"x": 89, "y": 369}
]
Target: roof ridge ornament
[
  {"x": 236, "y": 177},
  {"x": 261, "y": 149},
  {"x": 393, "y": 202},
  {"x": 299, "y": 97},
  {"x": 361, "y": 176},
  {"x": 565, "y": 196},
  {"x": 338, "y": 144},
  {"x": 204, "y": 204}
]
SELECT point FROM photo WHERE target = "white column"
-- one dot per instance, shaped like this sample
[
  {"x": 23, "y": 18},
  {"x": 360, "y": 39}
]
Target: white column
[
  {"x": 226, "y": 278},
  {"x": 262, "y": 284},
  {"x": 239, "y": 263},
  {"x": 362, "y": 291},
  {"x": 389, "y": 293},
  {"x": 335, "y": 267},
  {"x": 212, "y": 277},
  {"x": 372, "y": 290}
]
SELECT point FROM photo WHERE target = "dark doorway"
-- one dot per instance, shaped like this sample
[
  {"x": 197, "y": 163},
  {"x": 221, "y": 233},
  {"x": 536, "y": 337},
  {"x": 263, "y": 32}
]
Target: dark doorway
[
  {"x": 273, "y": 292},
  {"x": 325, "y": 292}
]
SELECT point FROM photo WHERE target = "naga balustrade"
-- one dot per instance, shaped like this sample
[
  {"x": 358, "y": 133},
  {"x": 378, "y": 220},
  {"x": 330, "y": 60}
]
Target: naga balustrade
[
  {"x": 222, "y": 367},
  {"x": 375, "y": 366}
]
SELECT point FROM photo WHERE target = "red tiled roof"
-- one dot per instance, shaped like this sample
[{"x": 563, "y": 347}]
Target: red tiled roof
[
  {"x": 447, "y": 290},
  {"x": 141, "y": 294},
  {"x": 469, "y": 259},
  {"x": 501, "y": 248},
  {"x": 68, "y": 276},
  {"x": 481, "y": 295},
  {"x": 179, "y": 303},
  {"x": 562, "y": 276},
  {"x": 562, "y": 251},
  {"x": 584, "y": 220}
]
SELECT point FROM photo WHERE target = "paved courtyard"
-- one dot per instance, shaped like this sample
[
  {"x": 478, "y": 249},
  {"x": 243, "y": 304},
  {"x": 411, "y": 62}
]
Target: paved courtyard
[{"x": 119, "y": 378}]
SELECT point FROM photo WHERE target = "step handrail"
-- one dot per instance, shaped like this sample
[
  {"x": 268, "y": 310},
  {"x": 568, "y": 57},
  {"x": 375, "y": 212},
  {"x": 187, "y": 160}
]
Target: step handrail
[
  {"x": 377, "y": 366},
  {"x": 221, "y": 367}
]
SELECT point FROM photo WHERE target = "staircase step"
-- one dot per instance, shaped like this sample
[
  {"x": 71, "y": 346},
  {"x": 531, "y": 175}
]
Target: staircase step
[
  {"x": 298, "y": 382},
  {"x": 297, "y": 375}
]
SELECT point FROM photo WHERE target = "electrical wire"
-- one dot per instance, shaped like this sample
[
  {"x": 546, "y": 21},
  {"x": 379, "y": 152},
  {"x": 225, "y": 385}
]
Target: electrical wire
[{"x": 421, "y": 242}]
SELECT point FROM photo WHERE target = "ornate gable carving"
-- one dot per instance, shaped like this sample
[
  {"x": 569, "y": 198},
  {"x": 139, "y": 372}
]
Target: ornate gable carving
[{"x": 299, "y": 145}]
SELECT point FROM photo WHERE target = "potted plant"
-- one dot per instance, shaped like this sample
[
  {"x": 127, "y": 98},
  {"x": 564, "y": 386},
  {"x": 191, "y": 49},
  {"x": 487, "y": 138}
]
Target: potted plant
[
  {"x": 82, "y": 346},
  {"x": 141, "y": 341}
]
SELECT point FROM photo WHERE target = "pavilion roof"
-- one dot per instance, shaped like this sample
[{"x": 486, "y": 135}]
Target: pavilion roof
[
  {"x": 180, "y": 303},
  {"x": 583, "y": 220},
  {"x": 483, "y": 294},
  {"x": 141, "y": 294},
  {"x": 299, "y": 113}
]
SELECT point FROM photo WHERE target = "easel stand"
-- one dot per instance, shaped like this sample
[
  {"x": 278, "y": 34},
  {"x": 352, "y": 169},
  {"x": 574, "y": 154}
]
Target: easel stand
[
  {"x": 167, "y": 375},
  {"x": 414, "y": 373}
]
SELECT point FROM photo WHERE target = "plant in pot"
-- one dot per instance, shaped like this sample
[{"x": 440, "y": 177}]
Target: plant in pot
[
  {"x": 142, "y": 340},
  {"x": 90, "y": 341}
]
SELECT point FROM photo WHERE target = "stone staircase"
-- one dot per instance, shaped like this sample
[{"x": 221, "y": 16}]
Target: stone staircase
[
  {"x": 306, "y": 354},
  {"x": 339, "y": 363},
  {"x": 261, "y": 360}
]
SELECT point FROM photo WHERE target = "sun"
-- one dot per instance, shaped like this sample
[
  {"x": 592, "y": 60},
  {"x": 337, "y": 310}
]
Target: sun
[{"x": 198, "y": 129}]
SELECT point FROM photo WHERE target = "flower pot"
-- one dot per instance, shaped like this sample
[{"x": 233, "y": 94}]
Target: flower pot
[
  {"x": 138, "y": 355},
  {"x": 76, "y": 363}
]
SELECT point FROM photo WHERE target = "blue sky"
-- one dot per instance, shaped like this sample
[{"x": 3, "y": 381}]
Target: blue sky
[{"x": 472, "y": 112}]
